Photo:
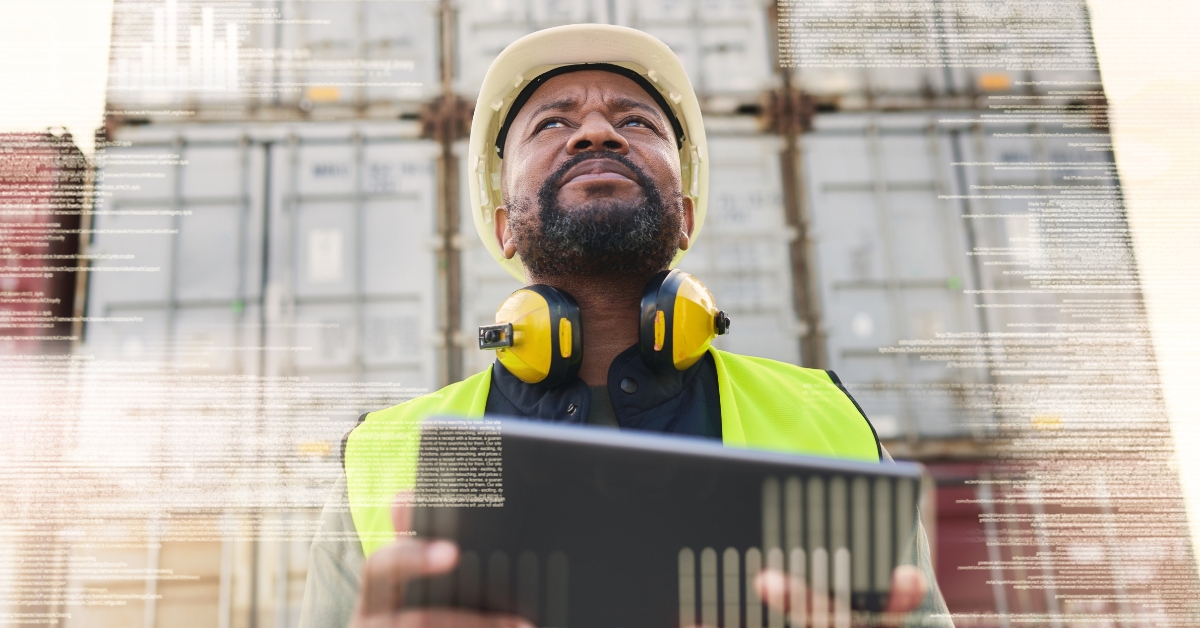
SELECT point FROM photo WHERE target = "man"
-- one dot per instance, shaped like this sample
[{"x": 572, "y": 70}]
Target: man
[{"x": 589, "y": 176}]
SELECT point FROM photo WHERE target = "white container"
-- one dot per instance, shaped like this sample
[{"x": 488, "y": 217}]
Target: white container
[
  {"x": 875, "y": 55},
  {"x": 891, "y": 245},
  {"x": 351, "y": 293},
  {"x": 380, "y": 58},
  {"x": 348, "y": 211},
  {"x": 723, "y": 44},
  {"x": 225, "y": 60}
]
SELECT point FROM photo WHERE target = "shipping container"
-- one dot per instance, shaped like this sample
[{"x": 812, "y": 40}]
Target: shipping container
[
  {"x": 274, "y": 282},
  {"x": 881, "y": 55},
  {"x": 340, "y": 308},
  {"x": 959, "y": 541},
  {"x": 913, "y": 214},
  {"x": 723, "y": 44},
  {"x": 311, "y": 241},
  {"x": 43, "y": 190},
  {"x": 238, "y": 61},
  {"x": 380, "y": 58}
]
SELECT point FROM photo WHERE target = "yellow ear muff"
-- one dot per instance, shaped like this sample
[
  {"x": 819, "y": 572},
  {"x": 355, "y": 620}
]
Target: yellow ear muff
[
  {"x": 678, "y": 322},
  {"x": 537, "y": 336}
]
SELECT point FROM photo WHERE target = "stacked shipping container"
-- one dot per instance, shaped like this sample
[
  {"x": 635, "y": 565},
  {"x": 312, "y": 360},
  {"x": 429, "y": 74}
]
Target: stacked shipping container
[
  {"x": 271, "y": 60},
  {"x": 891, "y": 223},
  {"x": 281, "y": 235},
  {"x": 319, "y": 241}
]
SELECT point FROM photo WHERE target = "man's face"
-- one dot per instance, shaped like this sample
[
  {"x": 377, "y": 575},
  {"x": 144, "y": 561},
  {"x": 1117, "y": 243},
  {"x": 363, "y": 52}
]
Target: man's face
[{"x": 591, "y": 181}]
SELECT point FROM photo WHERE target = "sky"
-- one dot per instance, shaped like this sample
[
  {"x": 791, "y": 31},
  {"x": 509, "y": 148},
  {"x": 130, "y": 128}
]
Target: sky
[{"x": 53, "y": 71}]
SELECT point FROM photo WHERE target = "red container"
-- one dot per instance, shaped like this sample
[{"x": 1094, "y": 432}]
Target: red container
[
  {"x": 960, "y": 539},
  {"x": 42, "y": 193}
]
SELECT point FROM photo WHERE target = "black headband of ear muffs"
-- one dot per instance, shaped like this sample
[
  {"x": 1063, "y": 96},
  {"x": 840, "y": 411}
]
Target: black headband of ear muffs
[{"x": 526, "y": 93}]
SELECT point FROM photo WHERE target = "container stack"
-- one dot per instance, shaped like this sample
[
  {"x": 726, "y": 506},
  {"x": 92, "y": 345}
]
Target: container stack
[
  {"x": 267, "y": 168},
  {"x": 978, "y": 296},
  {"x": 290, "y": 234},
  {"x": 286, "y": 176},
  {"x": 210, "y": 61}
]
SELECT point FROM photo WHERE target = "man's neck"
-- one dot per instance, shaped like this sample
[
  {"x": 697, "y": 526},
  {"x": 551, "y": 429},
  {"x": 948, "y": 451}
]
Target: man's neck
[{"x": 609, "y": 308}]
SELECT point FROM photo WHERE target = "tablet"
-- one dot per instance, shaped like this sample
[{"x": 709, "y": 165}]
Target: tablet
[{"x": 598, "y": 528}]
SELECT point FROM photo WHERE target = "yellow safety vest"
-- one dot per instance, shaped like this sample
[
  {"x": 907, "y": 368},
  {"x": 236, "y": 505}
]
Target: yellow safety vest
[{"x": 764, "y": 405}]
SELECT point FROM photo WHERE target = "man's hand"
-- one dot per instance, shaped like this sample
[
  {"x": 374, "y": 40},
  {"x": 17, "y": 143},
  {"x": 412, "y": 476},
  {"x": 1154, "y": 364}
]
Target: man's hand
[
  {"x": 909, "y": 587},
  {"x": 385, "y": 581}
]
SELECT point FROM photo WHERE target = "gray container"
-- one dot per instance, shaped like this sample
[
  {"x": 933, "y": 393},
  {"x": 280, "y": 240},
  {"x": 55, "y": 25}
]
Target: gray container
[
  {"x": 880, "y": 55},
  {"x": 898, "y": 252},
  {"x": 723, "y": 44},
  {"x": 350, "y": 290},
  {"x": 320, "y": 58},
  {"x": 380, "y": 58},
  {"x": 312, "y": 240}
]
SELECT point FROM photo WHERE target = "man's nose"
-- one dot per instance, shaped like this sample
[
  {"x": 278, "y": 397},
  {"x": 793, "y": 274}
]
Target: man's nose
[{"x": 596, "y": 134}]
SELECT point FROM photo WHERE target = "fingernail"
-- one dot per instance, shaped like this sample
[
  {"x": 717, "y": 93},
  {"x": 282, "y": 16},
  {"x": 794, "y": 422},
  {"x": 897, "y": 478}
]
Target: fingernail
[{"x": 439, "y": 553}]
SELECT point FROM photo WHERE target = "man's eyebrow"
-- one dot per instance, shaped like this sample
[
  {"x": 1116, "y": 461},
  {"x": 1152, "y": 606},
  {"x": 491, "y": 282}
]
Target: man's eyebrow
[
  {"x": 617, "y": 102},
  {"x": 624, "y": 102},
  {"x": 561, "y": 103}
]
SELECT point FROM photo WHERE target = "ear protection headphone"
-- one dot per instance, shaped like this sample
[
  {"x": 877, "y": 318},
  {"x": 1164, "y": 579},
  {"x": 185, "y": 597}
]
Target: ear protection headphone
[{"x": 539, "y": 338}]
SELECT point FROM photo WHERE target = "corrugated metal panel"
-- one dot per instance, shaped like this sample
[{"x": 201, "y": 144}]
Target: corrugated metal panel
[
  {"x": 742, "y": 256},
  {"x": 892, "y": 256},
  {"x": 315, "y": 55},
  {"x": 348, "y": 214},
  {"x": 723, "y": 44},
  {"x": 870, "y": 54},
  {"x": 370, "y": 57}
]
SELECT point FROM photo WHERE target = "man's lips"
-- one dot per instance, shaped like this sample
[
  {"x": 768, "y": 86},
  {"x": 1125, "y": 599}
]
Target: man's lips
[{"x": 598, "y": 169}]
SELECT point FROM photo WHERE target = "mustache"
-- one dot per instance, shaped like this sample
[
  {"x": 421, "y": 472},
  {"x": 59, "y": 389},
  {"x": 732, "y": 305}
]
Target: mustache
[
  {"x": 553, "y": 181},
  {"x": 602, "y": 236}
]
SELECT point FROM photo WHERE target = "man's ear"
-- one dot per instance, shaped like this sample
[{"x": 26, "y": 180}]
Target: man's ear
[
  {"x": 503, "y": 235},
  {"x": 689, "y": 223}
]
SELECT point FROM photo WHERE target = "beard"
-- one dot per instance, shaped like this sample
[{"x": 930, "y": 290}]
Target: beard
[{"x": 636, "y": 237}]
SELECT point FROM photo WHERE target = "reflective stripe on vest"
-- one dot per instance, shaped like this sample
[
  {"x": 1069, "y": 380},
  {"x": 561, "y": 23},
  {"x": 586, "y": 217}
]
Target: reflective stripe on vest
[{"x": 764, "y": 405}]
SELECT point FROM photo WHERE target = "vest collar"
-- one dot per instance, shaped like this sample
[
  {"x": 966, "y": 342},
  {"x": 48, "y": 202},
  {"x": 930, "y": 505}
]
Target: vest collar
[
  {"x": 656, "y": 402},
  {"x": 565, "y": 403}
]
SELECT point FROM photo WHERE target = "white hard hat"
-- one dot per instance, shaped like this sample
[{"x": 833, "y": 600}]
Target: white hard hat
[{"x": 535, "y": 54}]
